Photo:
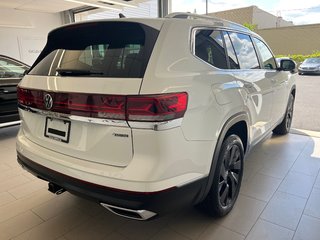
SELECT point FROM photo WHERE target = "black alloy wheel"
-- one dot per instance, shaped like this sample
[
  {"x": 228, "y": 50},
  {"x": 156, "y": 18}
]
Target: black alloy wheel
[
  {"x": 227, "y": 179},
  {"x": 284, "y": 127},
  {"x": 289, "y": 113},
  {"x": 229, "y": 175}
]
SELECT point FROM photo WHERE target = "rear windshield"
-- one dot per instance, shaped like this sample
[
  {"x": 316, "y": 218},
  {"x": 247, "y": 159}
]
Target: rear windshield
[{"x": 103, "y": 49}]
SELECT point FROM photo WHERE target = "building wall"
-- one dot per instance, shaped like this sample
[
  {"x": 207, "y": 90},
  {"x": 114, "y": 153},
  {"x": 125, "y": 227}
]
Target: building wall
[
  {"x": 303, "y": 39},
  {"x": 284, "y": 23},
  {"x": 23, "y": 34},
  {"x": 252, "y": 15},
  {"x": 239, "y": 15},
  {"x": 264, "y": 19},
  {"x": 147, "y": 9}
]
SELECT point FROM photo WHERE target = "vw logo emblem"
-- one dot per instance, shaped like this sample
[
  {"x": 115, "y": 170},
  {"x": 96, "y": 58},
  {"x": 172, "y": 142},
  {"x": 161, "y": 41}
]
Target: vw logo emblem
[{"x": 48, "y": 101}]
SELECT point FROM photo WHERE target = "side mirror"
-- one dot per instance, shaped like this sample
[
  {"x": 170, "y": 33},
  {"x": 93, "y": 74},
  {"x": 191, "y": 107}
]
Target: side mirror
[{"x": 288, "y": 65}]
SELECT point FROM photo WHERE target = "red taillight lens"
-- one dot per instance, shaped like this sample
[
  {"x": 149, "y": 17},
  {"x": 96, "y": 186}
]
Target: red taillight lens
[
  {"x": 79, "y": 104},
  {"x": 145, "y": 108},
  {"x": 30, "y": 98},
  {"x": 156, "y": 108},
  {"x": 90, "y": 105}
]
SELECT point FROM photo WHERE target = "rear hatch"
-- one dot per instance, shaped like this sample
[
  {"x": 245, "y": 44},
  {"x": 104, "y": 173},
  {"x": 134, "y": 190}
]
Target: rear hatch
[{"x": 73, "y": 100}]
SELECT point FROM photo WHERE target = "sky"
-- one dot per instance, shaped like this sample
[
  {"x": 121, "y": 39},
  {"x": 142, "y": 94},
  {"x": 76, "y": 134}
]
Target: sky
[{"x": 297, "y": 11}]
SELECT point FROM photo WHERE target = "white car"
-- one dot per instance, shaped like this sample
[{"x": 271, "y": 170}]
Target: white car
[
  {"x": 310, "y": 66},
  {"x": 148, "y": 115}
]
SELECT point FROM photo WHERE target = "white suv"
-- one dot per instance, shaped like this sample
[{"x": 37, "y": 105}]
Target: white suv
[{"x": 147, "y": 115}]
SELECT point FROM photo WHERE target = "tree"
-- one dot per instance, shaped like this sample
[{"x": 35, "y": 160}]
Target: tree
[{"x": 250, "y": 26}]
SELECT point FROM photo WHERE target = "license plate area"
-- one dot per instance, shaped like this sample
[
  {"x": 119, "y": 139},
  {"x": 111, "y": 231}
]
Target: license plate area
[{"x": 57, "y": 129}]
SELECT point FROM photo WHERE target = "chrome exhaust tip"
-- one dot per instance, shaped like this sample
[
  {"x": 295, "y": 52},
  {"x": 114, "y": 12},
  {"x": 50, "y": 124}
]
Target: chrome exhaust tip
[
  {"x": 54, "y": 188},
  {"x": 140, "y": 215}
]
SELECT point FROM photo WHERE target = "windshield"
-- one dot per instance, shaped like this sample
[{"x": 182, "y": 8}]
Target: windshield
[
  {"x": 312, "y": 60},
  {"x": 102, "y": 49}
]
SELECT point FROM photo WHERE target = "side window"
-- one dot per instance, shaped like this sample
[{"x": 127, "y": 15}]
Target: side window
[
  {"x": 245, "y": 51},
  {"x": 266, "y": 55},
  {"x": 11, "y": 69},
  {"x": 209, "y": 47},
  {"x": 233, "y": 61}
]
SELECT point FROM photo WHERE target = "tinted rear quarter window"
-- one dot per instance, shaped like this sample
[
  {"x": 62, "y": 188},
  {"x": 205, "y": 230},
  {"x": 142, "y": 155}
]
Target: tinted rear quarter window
[
  {"x": 209, "y": 46},
  {"x": 102, "y": 49}
]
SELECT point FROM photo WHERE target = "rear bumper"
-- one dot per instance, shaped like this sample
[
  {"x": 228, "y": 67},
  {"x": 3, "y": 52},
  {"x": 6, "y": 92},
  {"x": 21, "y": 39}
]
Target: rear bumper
[{"x": 158, "y": 202}]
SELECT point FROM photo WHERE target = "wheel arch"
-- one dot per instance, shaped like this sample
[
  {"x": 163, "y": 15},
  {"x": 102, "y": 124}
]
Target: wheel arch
[{"x": 234, "y": 125}]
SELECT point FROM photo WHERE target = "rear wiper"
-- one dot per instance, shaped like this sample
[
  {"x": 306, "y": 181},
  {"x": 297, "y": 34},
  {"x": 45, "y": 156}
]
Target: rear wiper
[{"x": 76, "y": 72}]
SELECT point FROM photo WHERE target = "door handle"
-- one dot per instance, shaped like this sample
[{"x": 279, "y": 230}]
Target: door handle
[{"x": 3, "y": 91}]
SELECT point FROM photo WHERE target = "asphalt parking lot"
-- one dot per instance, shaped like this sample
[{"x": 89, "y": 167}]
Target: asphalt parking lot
[{"x": 307, "y": 104}]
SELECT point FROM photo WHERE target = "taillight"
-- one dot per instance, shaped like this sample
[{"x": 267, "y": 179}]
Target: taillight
[
  {"x": 30, "y": 98},
  {"x": 144, "y": 108},
  {"x": 79, "y": 104},
  {"x": 156, "y": 108},
  {"x": 90, "y": 105}
]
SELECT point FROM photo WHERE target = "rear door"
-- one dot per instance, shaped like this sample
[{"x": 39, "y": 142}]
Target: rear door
[
  {"x": 258, "y": 86},
  {"x": 11, "y": 72},
  {"x": 73, "y": 99}
]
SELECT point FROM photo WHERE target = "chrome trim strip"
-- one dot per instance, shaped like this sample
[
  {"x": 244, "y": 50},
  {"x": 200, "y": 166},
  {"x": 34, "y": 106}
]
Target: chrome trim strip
[
  {"x": 156, "y": 126},
  {"x": 8, "y": 124},
  {"x": 144, "y": 214},
  {"x": 108, "y": 122}
]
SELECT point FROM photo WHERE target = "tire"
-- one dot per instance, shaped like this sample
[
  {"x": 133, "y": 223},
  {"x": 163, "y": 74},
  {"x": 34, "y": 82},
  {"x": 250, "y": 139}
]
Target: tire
[
  {"x": 227, "y": 178},
  {"x": 284, "y": 127}
]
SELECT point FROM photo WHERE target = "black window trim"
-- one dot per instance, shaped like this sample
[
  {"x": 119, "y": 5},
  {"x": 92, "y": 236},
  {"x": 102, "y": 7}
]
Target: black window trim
[{"x": 228, "y": 30}]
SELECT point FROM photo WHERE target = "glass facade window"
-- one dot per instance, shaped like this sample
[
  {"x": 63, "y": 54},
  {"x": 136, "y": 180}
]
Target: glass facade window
[{"x": 144, "y": 9}]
